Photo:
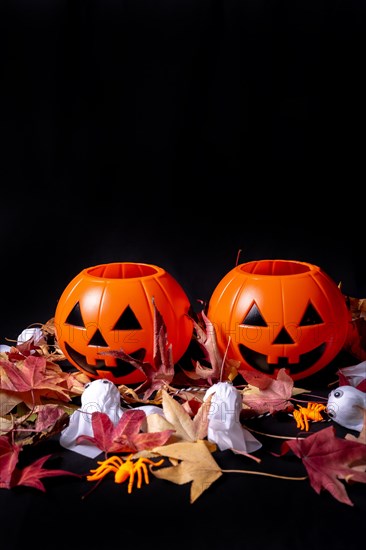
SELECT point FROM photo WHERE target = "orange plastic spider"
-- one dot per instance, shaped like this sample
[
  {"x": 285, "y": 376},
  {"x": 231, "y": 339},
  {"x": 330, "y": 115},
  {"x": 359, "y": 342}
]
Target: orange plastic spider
[
  {"x": 311, "y": 412},
  {"x": 124, "y": 469}
]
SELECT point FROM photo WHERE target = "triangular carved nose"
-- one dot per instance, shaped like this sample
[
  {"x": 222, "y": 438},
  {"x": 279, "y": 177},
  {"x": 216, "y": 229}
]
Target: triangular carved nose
[
  {"x": 283, "y": 337},
  {"x": 97, "y": 339}
]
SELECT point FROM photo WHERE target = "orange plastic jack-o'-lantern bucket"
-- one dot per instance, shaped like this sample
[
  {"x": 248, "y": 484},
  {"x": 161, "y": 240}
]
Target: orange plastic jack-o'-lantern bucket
[
  {"x": 110, "y": 307},
  {"x": 273, "y": 314}
]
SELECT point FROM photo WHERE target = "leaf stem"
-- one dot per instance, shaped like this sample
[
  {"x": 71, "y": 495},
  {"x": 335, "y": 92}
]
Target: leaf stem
[
  {"x": 264, "y": 474},
  {"x": 271, "y": 435}
]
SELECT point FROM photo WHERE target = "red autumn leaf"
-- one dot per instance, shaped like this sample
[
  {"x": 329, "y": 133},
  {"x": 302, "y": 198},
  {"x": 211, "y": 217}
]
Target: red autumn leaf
[
  {"x": 11, "y": 476},
  {"x": 9, "y": 454},
  {"x": 31, "y": 375},
  {"x": 48, "y": 416},
  {"x": 125, "y": 436},
  {"x": 31, "y": 475},
  {"x": 329, "y": 459},
  {"x": 272, "y": 395}
]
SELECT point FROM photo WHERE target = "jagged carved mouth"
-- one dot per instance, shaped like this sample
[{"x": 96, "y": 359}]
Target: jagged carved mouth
[
  {"x": 259, "y": 361},
  {"x": 122, "y": 367}
]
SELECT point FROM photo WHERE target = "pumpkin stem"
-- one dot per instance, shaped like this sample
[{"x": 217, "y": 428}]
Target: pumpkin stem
[{"x": 238, "y": 256}]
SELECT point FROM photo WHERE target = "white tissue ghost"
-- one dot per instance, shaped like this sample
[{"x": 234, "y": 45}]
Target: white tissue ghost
[
  {"x": 346, "y": 405},
  {"x": 224, "y": 427},
  {"x": 28, "y": 333},
  {"x": 100, "y": 395}
]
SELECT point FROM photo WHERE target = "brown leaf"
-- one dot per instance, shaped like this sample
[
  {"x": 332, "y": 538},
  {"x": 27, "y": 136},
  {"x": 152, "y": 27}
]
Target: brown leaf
[
  {"x": 8, "y": 401},
  {"x": 221, "y": 369},
  {"x": 196, "y": 465},
  {"x": 129, "y": 395},
  {"x": 200, "y": 420},
  {"x": 357, "y": 307}
]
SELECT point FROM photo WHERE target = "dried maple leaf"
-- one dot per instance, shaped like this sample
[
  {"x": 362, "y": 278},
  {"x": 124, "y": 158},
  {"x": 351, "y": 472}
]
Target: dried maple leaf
[
  {"x": 357, "y": 307},
  {"x": 329, "y": 459},
  {"x": 129, "y": 395},
  {"x": 196, "y": 465},
  {"x": 125, "y": 436},
  {"x": 265, "y": 394},
  {"x": 220, "y": 368},
  {"x": 33, "y": 377},
  {"x": 178, "y": 419},
  {"x": 161, "y": 373},
  {"x": 11, "y": 476}
]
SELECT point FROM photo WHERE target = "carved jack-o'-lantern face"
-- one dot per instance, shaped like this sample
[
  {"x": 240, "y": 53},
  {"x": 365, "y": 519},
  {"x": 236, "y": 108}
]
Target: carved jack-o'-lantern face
[
  {"x": 110, "y": 307},
  {"x": 274, "y": 314}
]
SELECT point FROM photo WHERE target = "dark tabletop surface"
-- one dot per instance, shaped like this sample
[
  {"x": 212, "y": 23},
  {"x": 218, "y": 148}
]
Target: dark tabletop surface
[{"x": 240, "y": 511}]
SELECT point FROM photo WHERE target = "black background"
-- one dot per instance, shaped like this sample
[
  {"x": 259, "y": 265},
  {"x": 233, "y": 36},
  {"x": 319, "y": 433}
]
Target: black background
[{"x": 178, "y": 133}]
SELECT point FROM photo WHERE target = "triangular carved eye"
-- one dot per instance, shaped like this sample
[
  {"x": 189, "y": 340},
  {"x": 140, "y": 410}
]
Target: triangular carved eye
[
  {"x": 74, "y": 317},
  {"x": 97, "y": 339},
  {"x": 254, "y": 317},
  {"x": 127, "y": 321},
  {"x": 310, "y": 317}
]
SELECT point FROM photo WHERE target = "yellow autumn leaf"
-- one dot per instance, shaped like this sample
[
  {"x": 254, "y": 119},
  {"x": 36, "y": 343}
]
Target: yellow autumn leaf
[{"x": 196, "y": 465}]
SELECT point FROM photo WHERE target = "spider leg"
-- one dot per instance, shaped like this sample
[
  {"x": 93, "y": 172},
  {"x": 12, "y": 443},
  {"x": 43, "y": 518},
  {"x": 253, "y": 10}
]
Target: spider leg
[
  {"x": 130, "y": 483},
  {"x": 144, "y": 469},
  {"x": 100, "y": 472},
  {"x": 299, "y": 419}
]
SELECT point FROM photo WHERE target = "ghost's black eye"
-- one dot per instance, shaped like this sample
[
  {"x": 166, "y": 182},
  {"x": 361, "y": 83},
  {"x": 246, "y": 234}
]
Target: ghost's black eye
[
  {"x": 87, "y": 385},
  {"x": 105, "y": 381},
  {"x": 338, "y": 393}
]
